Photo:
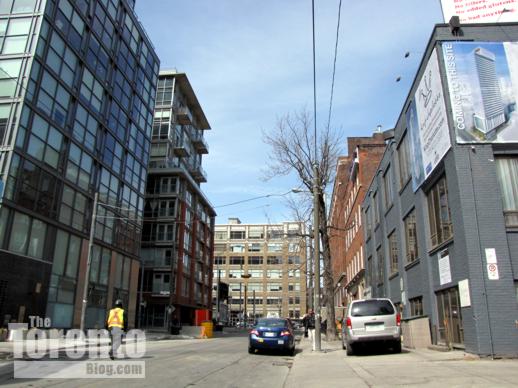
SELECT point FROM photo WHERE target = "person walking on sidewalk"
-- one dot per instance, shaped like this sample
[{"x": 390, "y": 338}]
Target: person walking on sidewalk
[
  {"x": 117, "y": 325},
  {"x": 310, "y": 322}
]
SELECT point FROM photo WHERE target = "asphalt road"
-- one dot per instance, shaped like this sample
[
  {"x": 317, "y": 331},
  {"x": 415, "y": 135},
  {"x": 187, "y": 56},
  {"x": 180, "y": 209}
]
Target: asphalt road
[{"x": 217, "y": 362}]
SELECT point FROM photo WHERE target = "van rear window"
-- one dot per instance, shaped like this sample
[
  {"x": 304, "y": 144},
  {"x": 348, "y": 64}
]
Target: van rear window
[{"x": 372, "y": 307}]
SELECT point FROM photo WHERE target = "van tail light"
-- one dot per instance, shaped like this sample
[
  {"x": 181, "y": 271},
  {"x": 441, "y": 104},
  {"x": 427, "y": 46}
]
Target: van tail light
[
  {"x": 254, "y": 332},
  {"x": 285, "y": 332},
  {"x": 398, "y": 319},
  {"x": 348, "y": 323}
]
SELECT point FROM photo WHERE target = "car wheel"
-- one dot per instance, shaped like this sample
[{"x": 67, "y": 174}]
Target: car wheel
[
  {"x": 396, "y": 348},
  {"x": 291, "y": 352},
  {"x": 251, "y": 350},
  {"x": 350, "y": 350}
]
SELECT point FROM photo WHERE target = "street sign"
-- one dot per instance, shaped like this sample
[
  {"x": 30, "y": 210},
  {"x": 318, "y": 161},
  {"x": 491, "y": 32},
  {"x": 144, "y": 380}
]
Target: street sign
[{"x": 492, "y": 271}]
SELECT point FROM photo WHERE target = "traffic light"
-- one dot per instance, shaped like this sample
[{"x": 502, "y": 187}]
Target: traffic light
[{"x": 223, "y": 291}]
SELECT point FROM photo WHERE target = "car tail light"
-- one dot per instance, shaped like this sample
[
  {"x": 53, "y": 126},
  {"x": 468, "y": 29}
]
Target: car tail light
[
  {"x": 398, "y": 319},
  {"x": 254, "y": 332},
  {"x": 348, "y": 323},
  {"x": 285, "y": 332}
]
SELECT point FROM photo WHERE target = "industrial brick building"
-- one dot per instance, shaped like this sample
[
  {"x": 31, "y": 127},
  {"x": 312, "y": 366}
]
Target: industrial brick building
[{"x": 440, "y": 217}]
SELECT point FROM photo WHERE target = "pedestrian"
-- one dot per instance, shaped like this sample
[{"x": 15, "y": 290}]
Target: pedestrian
[
  {"x": 116, "y": 324},
  {"x": 311, "y": 328},
  {"x": 305, "y": 324}
]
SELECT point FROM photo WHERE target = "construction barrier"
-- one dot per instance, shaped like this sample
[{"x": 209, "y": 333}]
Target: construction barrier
[{"x": 207, "y": 328}]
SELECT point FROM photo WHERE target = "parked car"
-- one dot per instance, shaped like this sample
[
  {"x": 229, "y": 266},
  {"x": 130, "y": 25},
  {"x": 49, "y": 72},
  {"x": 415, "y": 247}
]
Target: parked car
[
  {"x": 272, "y": 334},
  {"x": 371, "y": 321}
]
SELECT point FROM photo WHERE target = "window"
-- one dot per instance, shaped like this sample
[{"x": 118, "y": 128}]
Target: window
[
  {"x": 13, "y": 35},
  {"x": 274, "y": 287},
  {"x": 85, "y": 128},
  {"x": 293, "y": 259},
  {"x": 381, "y": 265},
  {"x": 403, "y": 157},
  {"x": 274, "y": 260},
  {"x": 274, "y": 273},
  {"x": 387, "y": 185},
  {"x": 256, "y": 273},
  {"x": 392, "y": 239},
  {"x": 368, "y": 221},
  {"x": 376, "y": 208},
  {"x": 275, "y": 233},
  {"x": 69, "y": 23},
  {"x": 73, "y": 208},
  {"x": 236, "y": 273},
  {"x": 237, "y": 248},
  {"x": 507, "y": 173},
  {"x": 237, "y": 235},
  {"x": 91, "y": 91},
  {"x": 439, "y": 213},
  {"x": 293, "y": 286},
  {"x": 53, "y": 99},
  {"x": 62, "y": 60},
  {"x": 161, "y": 283},
  {"x": 4, "y": 117},
  {"x": 255, "y": 260},
  {"x": 416, "y": 306},
  {"x": 275, "y": 247},
  {"x": 220, "y": 235},
  {"x": 237, "y": 260},
  {"x": 19, "y": 6},
  {"x": 411, "y": 237},
  {"x": 258, "y": 287},
  {"x": 293, "y": 247},
  {"x": 294, "y": 273},
  {"x": 255, "y": 247},
  {"x": 44, "y": 142},
  {"x": 79, "y": 168},
  {"x": 256, "y": 232},
  {"x": 9, "y": 72},
  {"x": 27, "y": 236},
  {"x": 220, "y": 260}
]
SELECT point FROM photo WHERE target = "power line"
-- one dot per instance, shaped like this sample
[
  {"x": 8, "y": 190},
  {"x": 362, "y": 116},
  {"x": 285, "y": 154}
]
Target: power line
[
  {"x": 254, "y": 198},
  {"x": 334, "y": 64},
  {"x": 314, "y": 79}
]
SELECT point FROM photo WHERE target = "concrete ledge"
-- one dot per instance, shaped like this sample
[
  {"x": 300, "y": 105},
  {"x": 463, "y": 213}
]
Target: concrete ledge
[{"x": 439, "y": 348}]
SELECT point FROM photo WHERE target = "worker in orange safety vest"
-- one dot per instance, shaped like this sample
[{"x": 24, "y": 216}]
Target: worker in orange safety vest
[{"x": 116, "y": 324}]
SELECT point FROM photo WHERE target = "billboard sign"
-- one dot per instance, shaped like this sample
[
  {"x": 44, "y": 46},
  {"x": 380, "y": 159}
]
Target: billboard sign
[
  {"x": 427, "y": 124},
  {"x": 483, "y": 88},
  {"x": 480, "y": 11}
]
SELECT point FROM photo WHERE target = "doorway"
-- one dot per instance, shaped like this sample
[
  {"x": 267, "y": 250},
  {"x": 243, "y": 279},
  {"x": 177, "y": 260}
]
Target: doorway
[{"x": 450, "y": 328}]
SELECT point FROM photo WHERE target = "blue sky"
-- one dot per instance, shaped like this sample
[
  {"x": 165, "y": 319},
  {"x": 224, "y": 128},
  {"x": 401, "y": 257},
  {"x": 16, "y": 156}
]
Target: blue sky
[{"x": 250, "y": 62}]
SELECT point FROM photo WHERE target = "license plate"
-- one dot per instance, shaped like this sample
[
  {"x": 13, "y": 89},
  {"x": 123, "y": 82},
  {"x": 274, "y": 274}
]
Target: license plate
[
  {"x": 374, "y": 327},
  {"x": 280, "y": 342},
  {"x": 269, "y": 334},
  {"x": 260, "y": 340}
]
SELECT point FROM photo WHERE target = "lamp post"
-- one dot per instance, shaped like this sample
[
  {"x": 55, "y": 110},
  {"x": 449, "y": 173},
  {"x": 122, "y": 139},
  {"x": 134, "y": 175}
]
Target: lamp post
[{"x": 88, "y": 264}]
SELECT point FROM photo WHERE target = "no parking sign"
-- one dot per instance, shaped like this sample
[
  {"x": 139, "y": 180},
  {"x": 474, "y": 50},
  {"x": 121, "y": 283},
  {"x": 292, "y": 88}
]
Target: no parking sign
[{"x": 492, "y": 271}]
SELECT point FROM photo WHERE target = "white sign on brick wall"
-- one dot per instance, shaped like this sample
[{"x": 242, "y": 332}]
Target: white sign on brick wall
[{"x": 492, "y": 271}]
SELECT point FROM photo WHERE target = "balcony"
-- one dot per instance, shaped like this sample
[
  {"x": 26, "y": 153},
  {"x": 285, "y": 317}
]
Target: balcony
[
  {"x": 200, "y": 144},
  {"x": 198, "y": 174},
  {"x": 183, "y": 116},
  {"x": 180, "y": 147}
]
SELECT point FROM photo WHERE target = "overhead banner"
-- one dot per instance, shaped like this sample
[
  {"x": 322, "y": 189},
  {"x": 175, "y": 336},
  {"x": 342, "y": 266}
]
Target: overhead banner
[
  {"x": 427, "y": 124},
  {"x": 481, "y": 11},
  {"x": 483, "y": 88}
]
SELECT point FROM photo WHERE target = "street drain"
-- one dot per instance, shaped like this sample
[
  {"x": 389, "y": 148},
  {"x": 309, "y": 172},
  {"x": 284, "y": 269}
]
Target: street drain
[{"x": 280, "y": 363}]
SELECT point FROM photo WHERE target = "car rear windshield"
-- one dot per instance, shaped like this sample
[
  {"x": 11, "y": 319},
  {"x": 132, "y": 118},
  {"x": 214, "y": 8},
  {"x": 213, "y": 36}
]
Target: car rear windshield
[
  {"x": 372, "y": 307},
  {"x": 271, "y": 323}
]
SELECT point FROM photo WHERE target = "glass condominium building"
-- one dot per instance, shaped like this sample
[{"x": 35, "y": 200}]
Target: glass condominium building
[
  {"x": 178, "y": 232},
  {"x": 77, "y": 91}
]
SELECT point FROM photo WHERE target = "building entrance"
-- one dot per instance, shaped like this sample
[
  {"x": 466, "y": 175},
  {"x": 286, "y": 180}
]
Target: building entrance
[{"x": 450, "y": 329}]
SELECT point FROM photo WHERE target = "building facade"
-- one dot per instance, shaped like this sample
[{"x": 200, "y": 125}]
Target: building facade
[
  {"x": 77, "y": 95},
  {"x": 353, "y": 176},
  {"x": 264, "y": 266},
  {"x": 177, "y": 237},
  {"x": 441, "y": 236}
]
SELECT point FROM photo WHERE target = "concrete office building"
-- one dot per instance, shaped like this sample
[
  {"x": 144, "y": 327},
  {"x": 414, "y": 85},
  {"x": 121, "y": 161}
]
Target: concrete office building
[
  {"x": 78, "y": 89},
  {"x": 268, "y": 261},
  {"x": 444, "y": 247},
  {"x": 353, "y": 176},
  {"x": 178, "y": 227}
]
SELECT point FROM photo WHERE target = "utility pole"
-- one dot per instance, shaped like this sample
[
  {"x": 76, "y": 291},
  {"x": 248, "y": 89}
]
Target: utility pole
[
  {"x": 316, "y": 260},
  {"x": 217, "y": 297},
  {"x": 245, "y": 315},
  {"x": 88, "y": 264}
]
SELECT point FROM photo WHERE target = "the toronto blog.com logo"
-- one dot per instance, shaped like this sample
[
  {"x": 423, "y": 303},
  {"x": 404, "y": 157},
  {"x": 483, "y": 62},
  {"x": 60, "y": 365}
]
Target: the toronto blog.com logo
[{"x": 42, "y": 352}]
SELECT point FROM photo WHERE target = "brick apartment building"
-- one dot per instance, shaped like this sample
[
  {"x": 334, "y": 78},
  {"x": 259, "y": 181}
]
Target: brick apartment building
[{"x": 353, "y": 175}]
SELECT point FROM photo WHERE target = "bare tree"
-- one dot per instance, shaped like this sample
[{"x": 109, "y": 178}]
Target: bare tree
[{"x": 292, "y": 144}]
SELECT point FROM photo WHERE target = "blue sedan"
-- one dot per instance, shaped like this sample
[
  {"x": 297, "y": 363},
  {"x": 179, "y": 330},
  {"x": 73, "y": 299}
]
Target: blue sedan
[{"x": 272, "y": 334}]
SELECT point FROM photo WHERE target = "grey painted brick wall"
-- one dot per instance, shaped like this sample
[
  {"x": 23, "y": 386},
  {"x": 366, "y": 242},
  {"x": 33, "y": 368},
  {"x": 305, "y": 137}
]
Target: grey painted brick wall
[{"x": 474, "y": 197}]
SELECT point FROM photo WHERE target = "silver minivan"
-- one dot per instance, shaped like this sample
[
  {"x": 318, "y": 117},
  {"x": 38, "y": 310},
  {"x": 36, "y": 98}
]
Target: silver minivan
[{"x": 371, "y": 320}]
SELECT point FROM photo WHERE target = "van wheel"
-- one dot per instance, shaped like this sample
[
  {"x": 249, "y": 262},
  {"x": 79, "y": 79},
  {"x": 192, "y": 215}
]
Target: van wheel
[{"x": 350, "y": 350}]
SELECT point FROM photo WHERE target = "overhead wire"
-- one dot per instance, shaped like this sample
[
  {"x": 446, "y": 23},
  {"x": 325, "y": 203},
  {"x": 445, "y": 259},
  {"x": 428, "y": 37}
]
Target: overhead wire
[{"x": 334, "y": 65}]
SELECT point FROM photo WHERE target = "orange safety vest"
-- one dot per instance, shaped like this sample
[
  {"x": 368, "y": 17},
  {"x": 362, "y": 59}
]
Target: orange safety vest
[{"x": 116, "y": 318}]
